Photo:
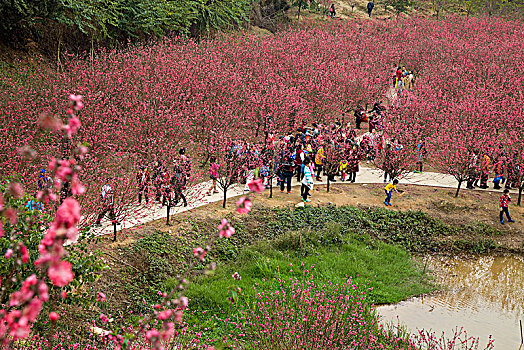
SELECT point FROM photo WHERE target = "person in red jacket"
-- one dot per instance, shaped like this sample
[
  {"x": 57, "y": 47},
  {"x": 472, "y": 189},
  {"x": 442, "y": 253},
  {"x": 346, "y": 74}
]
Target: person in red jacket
[
  {"x": 300, "y": 156},
  {"x": 504, "y": 204}
]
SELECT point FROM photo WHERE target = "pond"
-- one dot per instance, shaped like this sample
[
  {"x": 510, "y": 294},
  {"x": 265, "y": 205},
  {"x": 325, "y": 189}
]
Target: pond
[{"x": 482, "y": 294}]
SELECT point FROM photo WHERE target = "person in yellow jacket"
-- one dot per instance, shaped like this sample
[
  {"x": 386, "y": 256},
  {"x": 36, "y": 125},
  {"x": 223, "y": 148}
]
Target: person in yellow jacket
[
  {"x": 390, "y": 187},
  {"x": 343, "y": 169},
  {"x": 319, "y": 158}
]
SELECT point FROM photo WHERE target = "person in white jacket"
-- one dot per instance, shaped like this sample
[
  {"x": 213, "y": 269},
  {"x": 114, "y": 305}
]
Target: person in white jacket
[{"x": 307, "y": 181}]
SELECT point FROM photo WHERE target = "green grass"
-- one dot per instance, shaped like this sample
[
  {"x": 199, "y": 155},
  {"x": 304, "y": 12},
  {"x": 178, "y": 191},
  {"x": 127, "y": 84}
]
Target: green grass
[{"x": 335, "y": 255}]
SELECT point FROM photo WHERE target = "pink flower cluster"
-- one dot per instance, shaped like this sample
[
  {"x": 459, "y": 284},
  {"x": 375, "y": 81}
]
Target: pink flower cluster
[
  {"x": 225, "y": 229},
  {"x": 16, "y": 323},
  {"x": 244, "y": 205}
]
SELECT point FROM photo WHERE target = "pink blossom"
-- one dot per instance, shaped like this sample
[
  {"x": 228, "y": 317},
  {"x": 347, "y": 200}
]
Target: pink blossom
[
  {"x": 199, "y": 253},
  {"x": 68, "y": 213},
  {"x": 64, "y": 170},
  {"x": 25, "y": 253},
  {"x": 49, "y": 122},
  {"x": 104, "y": 318},
  {"x": 52, "y": 164},
  {"x": 53, "y": 317},
  {"x": 152, "y": 334},
  {"x": 225, "y": 229},
  {"x": 72, "y": 127},
  {"x": 60, "y": 274},
  {"x": 15, "y": 189},
  {"x": 164, "y": 315},
  {"x": 75, "y": 98},
  {"x": 236, "y": 276},
  {"x": 12, "y": 215},
  {"x": 8, "y": 253},
  {"x": 244, "y": 205},
  {"x": 100, "y": 297},
  {"x": 168, "y": 332},
  {"x": 76, "y": 186},
  {"x": 256, "y": 186},
  {"x": 183, "y": 302}
]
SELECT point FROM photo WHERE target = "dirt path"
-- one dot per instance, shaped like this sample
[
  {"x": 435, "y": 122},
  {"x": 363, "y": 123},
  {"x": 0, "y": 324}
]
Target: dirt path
[{"x": 475, "y": 204}]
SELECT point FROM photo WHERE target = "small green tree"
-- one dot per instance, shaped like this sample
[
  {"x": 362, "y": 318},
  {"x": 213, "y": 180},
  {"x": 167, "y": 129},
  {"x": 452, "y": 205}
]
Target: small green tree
[
  {"x": 400, "y": 6},
  {"x": 301, "y": 4}
]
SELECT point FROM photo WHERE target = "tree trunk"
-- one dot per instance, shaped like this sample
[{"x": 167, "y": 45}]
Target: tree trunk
[
  {"x": 299, "y": 6},
  {"x": 225, "y": 197},
  {"x": 328, "y": 183},
  {"x": 520, "y": 195},
  {"x": 114, "y": 230},
  {"x": 458, "y": 188},
  {"x": 168, "y": 208},
  {"x": 271, "y": 187},
  {"x": 58, "y": 62}
]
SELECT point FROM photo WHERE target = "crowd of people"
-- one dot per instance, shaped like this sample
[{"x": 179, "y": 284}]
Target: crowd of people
[
  {"x": 403, "y": 79},
  {"x": 308, "y": 153}
]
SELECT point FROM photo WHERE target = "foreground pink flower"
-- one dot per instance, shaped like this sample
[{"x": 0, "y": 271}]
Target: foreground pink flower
[
  {"x": 199, "y": 253},
  {"x": 256, "y": 186},
  {"x": 53, "y": 317},
  {"x": 244, "y": 205},
  {"x": 60, "y": 273},
  {"x": 72, "y": 127},
  {"x": 68, "y": 213},
  {"x": 225, "y": 229},
  {"x": 15, "y": 189},
  {"x": 100, "y": 297}
]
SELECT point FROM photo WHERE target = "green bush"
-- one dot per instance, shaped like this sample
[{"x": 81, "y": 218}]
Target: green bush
[
  {"x": 119, "y": 20},
  {"x": 28, "y": 231}
]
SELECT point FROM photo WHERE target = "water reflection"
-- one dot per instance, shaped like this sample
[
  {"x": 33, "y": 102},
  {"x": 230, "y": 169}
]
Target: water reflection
[{"x": 484, "y": 295}]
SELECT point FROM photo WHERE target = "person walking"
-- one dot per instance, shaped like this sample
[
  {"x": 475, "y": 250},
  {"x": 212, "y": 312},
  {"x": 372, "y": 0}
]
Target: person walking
[
  {"x": 42, "y": 180},
  {"x": 421, "y": 152},
  {"x": 299, "y": 160},
  {"x": 358, "y": 116},
  {"x": 332, "y": 12},
  {"x": 166, "y": 188},
  {"x": 213, "y": 175},
  {"x": 319, "y": 160},
  {"x": 354, "y": 160},
  {"x": 185, "y": 163},
  {"x": 108, "y": 204},
  {"x": 143, "y": 180},
  {"x": 504, "y": 206},
  {"x": 286, "y": 172},
  {"x": 484, "y": 171},
  {"x": 307, "y": 181},
  {"x": 390, "y": 187},
  {"x": 370, "y": 6},
  {"x": 499, "y": 178},
  {"x": 178, "y": 184},
  {"x": 250, "y": 176},
  {"x": 343, "y": 167},
  {"x": 156, "y": 179}
]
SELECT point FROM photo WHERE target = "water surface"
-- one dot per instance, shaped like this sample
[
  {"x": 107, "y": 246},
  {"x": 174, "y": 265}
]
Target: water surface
[{"x": 484, "y": 295}]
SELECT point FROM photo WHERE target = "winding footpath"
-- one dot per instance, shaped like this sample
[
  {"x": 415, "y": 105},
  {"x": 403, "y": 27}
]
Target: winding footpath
[{"x": 143, "y": 214}]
